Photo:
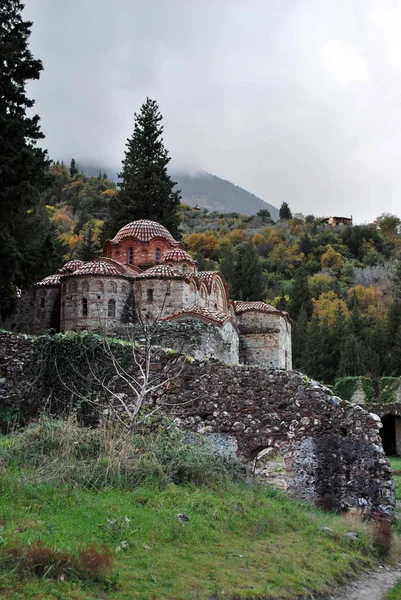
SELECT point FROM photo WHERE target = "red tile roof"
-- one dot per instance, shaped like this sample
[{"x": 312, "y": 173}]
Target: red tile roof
[
  {"x": 241, "y": 307},
  {"x": 71, "y": 266},
  {"x": 216, "y": 317},
  {"x": 103, "y": 266},
  {"x": 144, "y": 231},
  {"x": 162, "y": 272},
  {"x": 177, "y": 255},
  {"x": 49, "y": 280},
  {"x": 207, "y": 277}
]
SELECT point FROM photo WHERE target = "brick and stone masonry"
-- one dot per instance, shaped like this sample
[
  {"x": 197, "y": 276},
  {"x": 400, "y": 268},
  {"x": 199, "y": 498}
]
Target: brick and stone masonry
[{"x": 331, "y": 448}]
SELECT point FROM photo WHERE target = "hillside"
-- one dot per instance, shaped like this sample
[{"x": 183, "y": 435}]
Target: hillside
[
  {"x": 204, "y": 190},
  {"x": 212, "y": 192}
]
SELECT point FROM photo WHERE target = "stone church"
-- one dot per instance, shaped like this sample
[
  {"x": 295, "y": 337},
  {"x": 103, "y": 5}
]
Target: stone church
[{"x": 145, "y": 271}]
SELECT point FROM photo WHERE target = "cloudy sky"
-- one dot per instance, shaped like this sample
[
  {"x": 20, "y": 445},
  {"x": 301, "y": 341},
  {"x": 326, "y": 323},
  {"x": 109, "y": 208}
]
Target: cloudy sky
[{"x": 295, "y": 100}]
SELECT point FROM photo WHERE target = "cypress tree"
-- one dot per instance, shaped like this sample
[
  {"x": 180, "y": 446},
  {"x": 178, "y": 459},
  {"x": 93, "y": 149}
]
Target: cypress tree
[
  {"x": 300, "y": 295},
  {"x": 248, "y": 274},
  {"x": 285, "y": 212},
  {"x": 73, "y": 168},
  {"x": 146, "y": 190},
  {"x": 23, "y": 166}
]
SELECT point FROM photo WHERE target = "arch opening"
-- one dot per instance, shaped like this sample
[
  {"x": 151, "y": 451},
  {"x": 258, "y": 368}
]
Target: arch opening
[{"x": 391, "y": 434}]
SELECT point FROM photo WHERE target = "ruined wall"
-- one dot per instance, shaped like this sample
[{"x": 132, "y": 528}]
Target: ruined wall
[
  {"x": 265, "y": 339},
  {"x": 330, "y": 448}
]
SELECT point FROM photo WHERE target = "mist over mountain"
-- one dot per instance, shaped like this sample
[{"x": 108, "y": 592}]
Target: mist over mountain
[
  {"x": 204, "y": 190},
  {"x": 209, "y": 191}
]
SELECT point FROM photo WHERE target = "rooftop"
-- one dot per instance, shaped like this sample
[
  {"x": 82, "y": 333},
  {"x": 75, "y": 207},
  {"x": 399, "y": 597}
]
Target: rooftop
[{"x": 144, "y": 231}]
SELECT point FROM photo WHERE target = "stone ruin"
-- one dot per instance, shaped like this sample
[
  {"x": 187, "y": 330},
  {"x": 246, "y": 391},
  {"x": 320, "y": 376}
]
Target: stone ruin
[{"x": 321, "y": 448}]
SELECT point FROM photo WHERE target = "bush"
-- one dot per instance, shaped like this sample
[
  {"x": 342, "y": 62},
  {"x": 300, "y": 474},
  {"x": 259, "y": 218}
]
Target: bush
[
  {"x": 382, "y": 537},
  {"x": 389, "y": 388},
  {"x": 92, "y": 563},
  {"x": 55, "y": 451}
]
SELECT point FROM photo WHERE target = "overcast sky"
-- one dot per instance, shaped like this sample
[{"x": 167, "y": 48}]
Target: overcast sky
[{"x": 295, "y": 100}]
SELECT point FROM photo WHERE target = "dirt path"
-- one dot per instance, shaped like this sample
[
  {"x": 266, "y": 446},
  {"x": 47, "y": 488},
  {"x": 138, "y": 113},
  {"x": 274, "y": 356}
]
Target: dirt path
[{"x": 371, "y": 586}]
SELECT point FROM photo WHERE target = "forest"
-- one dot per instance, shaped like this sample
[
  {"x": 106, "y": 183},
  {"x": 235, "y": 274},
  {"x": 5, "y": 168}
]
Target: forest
[{"x": 341, "y": 285}]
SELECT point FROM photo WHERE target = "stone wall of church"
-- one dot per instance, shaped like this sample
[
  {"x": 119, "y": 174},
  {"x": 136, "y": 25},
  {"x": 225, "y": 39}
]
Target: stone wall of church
[
  {"x": 265, "y": 339},
  {"x": 93, "y": 302}
]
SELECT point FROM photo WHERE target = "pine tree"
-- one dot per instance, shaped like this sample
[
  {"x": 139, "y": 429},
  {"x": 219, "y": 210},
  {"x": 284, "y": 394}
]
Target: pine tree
[
  {"x": 299, "y": 337},
  {"x": 147, "y": 190},
  {"x": 73, "y": 168},
  {"x": 285, "y": 212},
  {"x": 248, "y": 281},
  {"x": 22, "y": 164},
  {"x": 300, "y": 295}
]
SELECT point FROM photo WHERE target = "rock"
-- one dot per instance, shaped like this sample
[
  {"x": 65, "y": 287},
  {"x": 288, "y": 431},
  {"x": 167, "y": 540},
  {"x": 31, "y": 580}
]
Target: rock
[{"x": 183, "y": 517}]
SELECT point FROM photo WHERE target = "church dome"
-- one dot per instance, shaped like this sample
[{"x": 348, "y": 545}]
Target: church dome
[
  {"x": 177, "y": 255},
  {"x": 71, "y": 266},
  {"x": 143, "y": 231},
  {"x": 101, "y": 266}
]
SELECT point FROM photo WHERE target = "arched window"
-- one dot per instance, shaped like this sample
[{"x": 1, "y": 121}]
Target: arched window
[
  {"x": 111, "y": 309},
  {"x": 84, "y": 306},
  {"x": 112, "y": 287},
  {"x": 98, "y": 286},
  {"x": 158, "y": 253},
  {"x": 42, "y": 303},
  {"x": 85, "y": 286},
  {"x": 150, "y": 296},
  {"x": 130, "y": 256}
]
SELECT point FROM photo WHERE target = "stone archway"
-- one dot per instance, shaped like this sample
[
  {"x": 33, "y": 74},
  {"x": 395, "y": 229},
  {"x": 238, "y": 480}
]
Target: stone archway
[{"x": 391, "y": 434}]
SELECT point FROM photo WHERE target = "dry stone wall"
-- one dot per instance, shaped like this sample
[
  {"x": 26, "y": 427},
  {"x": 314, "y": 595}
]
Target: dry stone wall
[{"x": 330, "y": 448}]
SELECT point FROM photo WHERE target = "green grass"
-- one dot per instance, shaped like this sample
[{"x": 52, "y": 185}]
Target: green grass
[
  {"x": 241, "y": 541},
  {"x": 395, "y": 462},
  {"x": 394, "y": 593}
]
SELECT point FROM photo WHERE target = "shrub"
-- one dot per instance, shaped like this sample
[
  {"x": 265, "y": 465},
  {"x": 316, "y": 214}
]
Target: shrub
[
  {"x": 92, "y": 563},
  {"x": 389, "y": 388},
  {"x": 62, "y": 452},
  {"x": 382, "y": 537}
]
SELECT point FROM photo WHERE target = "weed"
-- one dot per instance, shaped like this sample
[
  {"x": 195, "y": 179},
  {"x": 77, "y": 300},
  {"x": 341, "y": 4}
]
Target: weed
[{"x": 382, "y": 537}]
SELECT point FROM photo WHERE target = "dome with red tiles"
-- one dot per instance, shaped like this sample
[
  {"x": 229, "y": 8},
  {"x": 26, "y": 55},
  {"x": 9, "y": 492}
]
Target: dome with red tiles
[
  {"x": 49, "y": 280},
  {"x": 143, "y": 231},
  {"x": 242, "y": 306},
  {"x": 71, "y": 266},
  {"x": 162, "y": 272},
  {"x": 177, "y": 255},
  {"x": 101, "y": 266}
]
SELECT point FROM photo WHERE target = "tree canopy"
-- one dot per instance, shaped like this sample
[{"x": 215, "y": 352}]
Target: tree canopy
[
  {"x": 146, "y": 190},
  {"x": 26, "y": 249}
]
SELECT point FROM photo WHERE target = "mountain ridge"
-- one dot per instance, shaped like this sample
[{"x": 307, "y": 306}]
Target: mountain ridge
[{"x": 205, "y": 190}]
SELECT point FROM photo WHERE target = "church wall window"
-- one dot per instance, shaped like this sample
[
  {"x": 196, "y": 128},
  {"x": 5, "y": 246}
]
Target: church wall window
[
  {"x": 149, "y": 296},
  {"x": 158, "y": 253},
  {"x": 111, "y": 309},
  {"x": 42, "y": 303},
  {"x": 84, "y": 307},
  {"x": 130, "y": 256}
]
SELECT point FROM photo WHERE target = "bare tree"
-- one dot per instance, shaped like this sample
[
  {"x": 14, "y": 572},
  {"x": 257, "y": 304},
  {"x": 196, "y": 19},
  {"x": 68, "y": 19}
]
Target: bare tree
[{"x": 145, "y": 381}]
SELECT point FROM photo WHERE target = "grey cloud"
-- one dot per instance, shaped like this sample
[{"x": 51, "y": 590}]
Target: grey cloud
[{"x": 295, "y": 100}]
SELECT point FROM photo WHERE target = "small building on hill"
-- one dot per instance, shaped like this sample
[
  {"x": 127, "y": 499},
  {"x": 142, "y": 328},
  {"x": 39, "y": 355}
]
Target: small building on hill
[
  {"x": 335, "y": 221},
  {"x": 146, "y": 275}
]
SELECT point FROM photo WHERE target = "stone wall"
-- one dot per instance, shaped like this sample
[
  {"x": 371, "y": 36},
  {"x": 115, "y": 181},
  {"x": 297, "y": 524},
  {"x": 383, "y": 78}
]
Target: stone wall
[
  {"x": 97, "y": 291},
  {"x": 197, "y": 338},
  {"x": 265, "y": 339},
  {"x": 330, "y": 448}
]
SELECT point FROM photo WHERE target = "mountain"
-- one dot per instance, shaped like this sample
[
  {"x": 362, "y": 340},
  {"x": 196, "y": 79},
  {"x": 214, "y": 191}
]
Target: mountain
[
  {"x": 209, "y": 191},
  {"x": 204, "y": 190}
]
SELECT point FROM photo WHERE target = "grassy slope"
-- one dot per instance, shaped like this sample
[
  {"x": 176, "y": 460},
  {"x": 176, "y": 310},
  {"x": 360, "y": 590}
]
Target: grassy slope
[
  {"x": 239, "y": 542},
  {"x": 395, "y": 593}
]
